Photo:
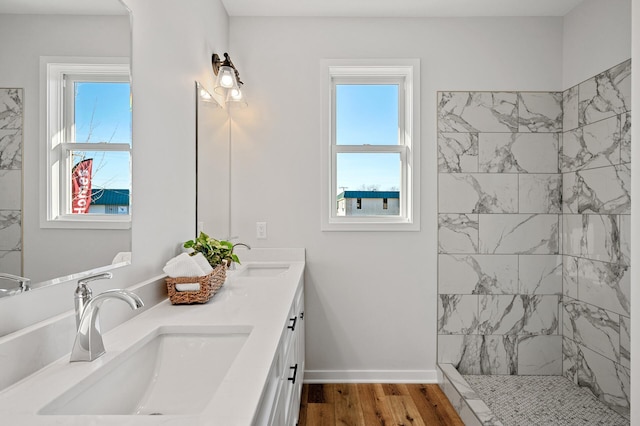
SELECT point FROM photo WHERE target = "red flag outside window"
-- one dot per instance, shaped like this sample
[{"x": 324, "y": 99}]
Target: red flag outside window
[{"x": 81, "y": 186}]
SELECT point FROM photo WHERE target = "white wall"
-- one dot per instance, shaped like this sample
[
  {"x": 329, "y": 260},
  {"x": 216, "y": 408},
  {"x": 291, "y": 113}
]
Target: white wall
[
  {"x": 371, "y": 297},
  {"x": 596, "y": 37},
  {"x": 50, "y": 253},
  {"x": 172, "y": 47}
]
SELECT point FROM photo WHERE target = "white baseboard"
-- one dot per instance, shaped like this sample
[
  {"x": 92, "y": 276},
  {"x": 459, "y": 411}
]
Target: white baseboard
[{"x": 370, "y": 376}]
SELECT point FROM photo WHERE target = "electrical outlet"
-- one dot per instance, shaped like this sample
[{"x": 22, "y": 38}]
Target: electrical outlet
[{"x": 261, "y": 230}]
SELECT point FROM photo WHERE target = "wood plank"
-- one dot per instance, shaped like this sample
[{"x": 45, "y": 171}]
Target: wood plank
[
  {"x": 443, "y": 407},
  {"x": 302, "y": 417},
  {"x": 404, "y": 411},
  {"x": 368, "y": 405},
  {"x": 320, "y": 415},
  {"x": 375, "y": 410},
  {"x": 320, "y": 393},
  {"x": 425, "y": 405},
  {"x": 393, "y": 389},
  {"x": 348, "y": 410}
]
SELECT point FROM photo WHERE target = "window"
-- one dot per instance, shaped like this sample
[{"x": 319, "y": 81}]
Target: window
[
  {"x": 371, "y": 145},
  {"x": 87, "y": 104}
]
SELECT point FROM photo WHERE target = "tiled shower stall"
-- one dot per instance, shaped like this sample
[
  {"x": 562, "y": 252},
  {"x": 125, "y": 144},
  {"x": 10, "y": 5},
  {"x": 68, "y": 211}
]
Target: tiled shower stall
[
  {"x": 534, "y": 229},
  {"x": 11, "y": 119}
]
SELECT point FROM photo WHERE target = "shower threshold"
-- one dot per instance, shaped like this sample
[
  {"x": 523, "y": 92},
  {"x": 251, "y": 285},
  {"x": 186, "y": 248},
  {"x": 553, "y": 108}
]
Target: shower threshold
[{"x": 524, "y": 400}]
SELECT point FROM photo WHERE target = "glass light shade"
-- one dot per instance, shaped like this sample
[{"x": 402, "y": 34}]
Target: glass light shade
[
  {"x": 226, "y": 79},
  {"x": 235, "y": 94},
  {"x": 235, "y": 98}
]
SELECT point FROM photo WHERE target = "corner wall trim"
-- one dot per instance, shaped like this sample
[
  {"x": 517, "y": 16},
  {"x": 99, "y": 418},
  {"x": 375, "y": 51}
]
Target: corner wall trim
[{"x": 370, "y": 376}]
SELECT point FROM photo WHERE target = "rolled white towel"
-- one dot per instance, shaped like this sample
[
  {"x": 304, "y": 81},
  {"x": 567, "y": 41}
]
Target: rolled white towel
[
  {"x": 183, "y": 266},
  {"x": 188, "y": 287},
  {"x": 180, "y": 257},
  {"x": 203, "y": 263}
]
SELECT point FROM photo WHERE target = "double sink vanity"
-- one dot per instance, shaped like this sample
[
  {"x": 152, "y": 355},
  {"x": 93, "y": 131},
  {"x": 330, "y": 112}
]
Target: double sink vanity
[{"x": 236, "y": 360}]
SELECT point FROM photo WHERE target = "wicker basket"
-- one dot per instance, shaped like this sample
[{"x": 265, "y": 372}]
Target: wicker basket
[{"x": 209, "y": 284}]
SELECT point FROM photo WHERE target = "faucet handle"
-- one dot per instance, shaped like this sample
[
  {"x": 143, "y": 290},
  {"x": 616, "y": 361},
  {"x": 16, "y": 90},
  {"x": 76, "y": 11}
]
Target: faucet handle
[
  {"x": 83, "y": 293},
  {"x": 102, "y": 276}
]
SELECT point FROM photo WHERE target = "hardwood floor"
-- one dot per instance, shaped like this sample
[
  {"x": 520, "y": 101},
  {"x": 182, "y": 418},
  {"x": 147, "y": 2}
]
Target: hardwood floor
[{"x": 376, "y": 405}]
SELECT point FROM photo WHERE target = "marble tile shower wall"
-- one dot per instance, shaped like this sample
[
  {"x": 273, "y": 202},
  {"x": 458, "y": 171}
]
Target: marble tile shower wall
[
  {"x": 500, "y": 267},
  {"x": 534, "y": 230},
  {"x": 596, "y": 170},
  {"x": 11, "y": 119}
]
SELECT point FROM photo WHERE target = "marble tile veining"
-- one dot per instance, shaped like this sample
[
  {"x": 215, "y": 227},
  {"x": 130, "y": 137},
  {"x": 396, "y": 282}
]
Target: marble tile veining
[
  {"x": 11, "y": 149},
  {"x": 605, "y": 190},
  {"x": 539, "y": 193},
  {"x": 458, "y": 233},
  {"x": 625, "y": 137},
  {"x": 604, "y": 284},
  {"x": 571, "y": 187},
  {"x": 11, "y": 108},
  {"x": 477, "y": 193},
  {"x": 10, "y": 230},
  {"x": 540, "y": 274},
  {"x": 457, "y": 314},
  {"x": 606, "y": 94},
  {"x": 624, "y": 226},
  {"x": 477, "y": 274},
  {"x": 518, "y": 152},
  {"x": 518, "y": 314},
  {"x": 570, "y": 276},
  {"x": 477, "y": 112},
  {"x": 625, "y": 341},
  {"x": 479, "y": 354},
  {"x": 519, "y": 234},
  {"x": 601, "y": 238},
  {"x": 534, "y": 235},
  {"x": 608, "y": 380},
  {"x": 540, "y": 355},
  {"x": 457, "y": 152},
  {"x": 570, "y": 109},
  {"x": 540, "y": 111},
  {"x": 594, "y": 145},
  {"x": 594, "y": 327}
]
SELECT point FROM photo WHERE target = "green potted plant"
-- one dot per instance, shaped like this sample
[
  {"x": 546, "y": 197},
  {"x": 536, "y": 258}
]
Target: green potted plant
[{"x": 215, "y": 251}]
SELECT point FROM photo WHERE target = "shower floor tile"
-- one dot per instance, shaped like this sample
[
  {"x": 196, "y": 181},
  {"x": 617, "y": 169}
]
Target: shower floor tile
[{"x": 542, "y": 400}]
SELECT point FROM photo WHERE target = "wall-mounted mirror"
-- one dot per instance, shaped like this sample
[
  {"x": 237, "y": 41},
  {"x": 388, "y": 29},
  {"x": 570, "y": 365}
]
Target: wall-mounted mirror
[
  {"x": 30, "y": 30},
  {"x": 213, "y": 166}
]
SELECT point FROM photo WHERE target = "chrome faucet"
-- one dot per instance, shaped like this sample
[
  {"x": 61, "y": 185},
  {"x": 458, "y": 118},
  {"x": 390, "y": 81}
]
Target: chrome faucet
[
  {"x": 232, "y": 266},
  {"x": 23, "y": 283},
  {"x": 88, "y": 344},
  {"x": 240, "y": 244}
]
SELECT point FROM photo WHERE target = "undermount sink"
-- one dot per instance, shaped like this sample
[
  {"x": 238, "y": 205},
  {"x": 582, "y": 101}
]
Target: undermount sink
[
  {"x": 263, "y": 270},
  {"x": 174, "y": 370}
]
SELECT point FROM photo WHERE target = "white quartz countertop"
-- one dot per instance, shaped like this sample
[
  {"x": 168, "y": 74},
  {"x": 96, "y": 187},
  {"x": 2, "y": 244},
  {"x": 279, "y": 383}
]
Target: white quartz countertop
[{"x": 260, "y": 304}]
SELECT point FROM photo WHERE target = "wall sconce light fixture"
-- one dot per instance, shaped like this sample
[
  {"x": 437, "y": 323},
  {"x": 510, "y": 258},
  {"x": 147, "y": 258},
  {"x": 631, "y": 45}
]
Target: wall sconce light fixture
[{"x": 228, "y": 81}]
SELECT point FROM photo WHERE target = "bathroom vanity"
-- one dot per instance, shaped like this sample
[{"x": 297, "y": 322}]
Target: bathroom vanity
[{"x": 236, "y": 360}]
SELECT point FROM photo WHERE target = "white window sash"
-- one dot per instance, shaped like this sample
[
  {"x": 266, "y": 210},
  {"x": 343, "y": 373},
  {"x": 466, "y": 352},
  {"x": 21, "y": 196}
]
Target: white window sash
[
  {"x": 405, "y": 73},
  {"x": 57, "y": 73}
]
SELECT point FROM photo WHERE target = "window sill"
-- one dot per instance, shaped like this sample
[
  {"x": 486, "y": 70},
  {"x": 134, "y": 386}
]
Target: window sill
[
  {"x": 84, "y": 222},
  {"x": 370, "y": 226}
]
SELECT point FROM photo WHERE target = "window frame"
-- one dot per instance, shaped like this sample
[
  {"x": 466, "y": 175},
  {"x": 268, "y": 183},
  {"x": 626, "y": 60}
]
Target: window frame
[
  {"x": 406, "y": 73},
  {"x": 55, "y": 105}
]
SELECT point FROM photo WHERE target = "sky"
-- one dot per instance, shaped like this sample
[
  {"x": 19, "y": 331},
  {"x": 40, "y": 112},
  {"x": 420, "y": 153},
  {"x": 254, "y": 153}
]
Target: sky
[
  {"x": 367, "y": 114},
  {"x": 103, "y": 114}
]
